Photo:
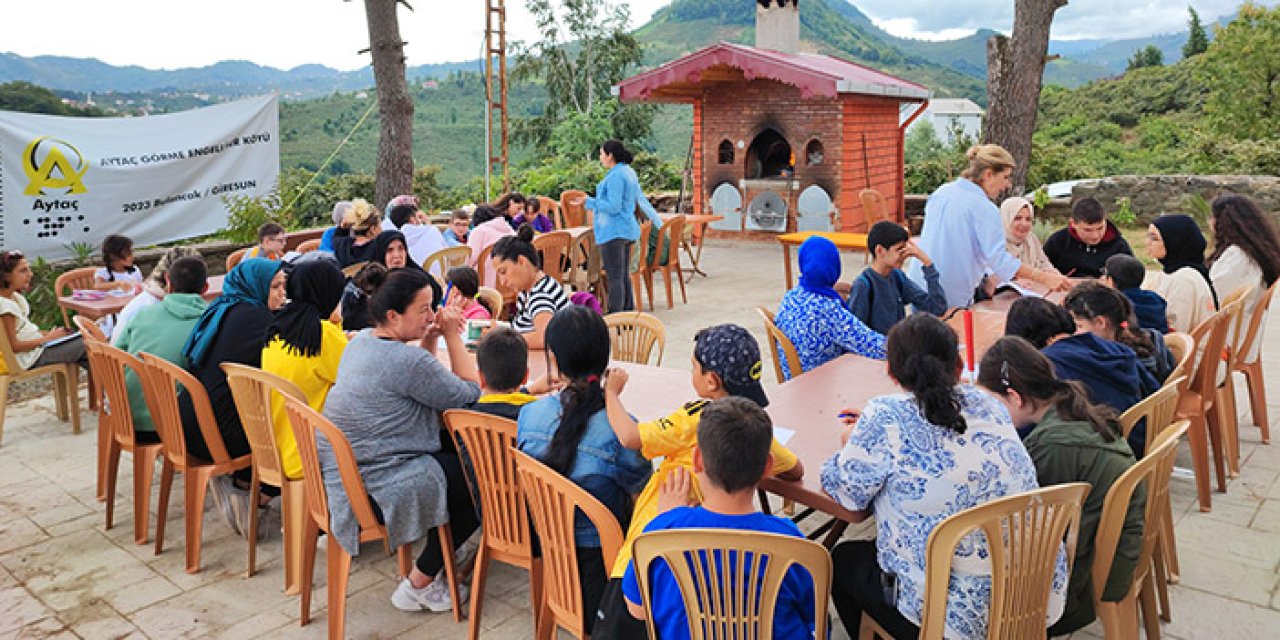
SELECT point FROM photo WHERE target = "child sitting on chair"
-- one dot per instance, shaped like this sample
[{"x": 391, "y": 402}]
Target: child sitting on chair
[
  {"x": 730, "y": 458},
  {"x": 881, "y": 291}
]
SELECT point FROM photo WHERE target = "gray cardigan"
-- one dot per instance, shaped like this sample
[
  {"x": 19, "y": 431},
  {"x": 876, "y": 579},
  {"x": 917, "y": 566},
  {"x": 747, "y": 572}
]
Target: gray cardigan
[{"x": 387, "y": 400}]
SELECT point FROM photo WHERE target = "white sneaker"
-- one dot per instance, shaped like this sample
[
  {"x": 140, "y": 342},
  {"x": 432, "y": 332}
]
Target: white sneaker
[
  {"x": 433, "y": 597},
  {"x": 222, "y": 490}
]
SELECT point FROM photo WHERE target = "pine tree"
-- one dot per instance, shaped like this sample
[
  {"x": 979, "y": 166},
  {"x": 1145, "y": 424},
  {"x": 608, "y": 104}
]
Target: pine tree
[{"x": 1197, "y": 39}]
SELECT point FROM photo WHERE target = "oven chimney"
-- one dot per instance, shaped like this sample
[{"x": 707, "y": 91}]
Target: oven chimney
[{"x": 778, "y": 25}]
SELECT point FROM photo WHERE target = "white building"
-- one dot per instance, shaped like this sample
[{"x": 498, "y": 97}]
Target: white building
[{"x": 943, "y": 112}]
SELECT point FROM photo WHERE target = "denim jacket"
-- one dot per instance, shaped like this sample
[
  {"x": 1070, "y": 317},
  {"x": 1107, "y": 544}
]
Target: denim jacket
[
  {"x": 607, "y": 470},
  {"x": 617, "y": 197}
]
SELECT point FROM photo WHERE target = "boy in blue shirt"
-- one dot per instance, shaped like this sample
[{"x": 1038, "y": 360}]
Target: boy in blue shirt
[
  {"x": 1125, "y": 274},
  {"x": 731, "y": 457},
  {"x": 881, "y": 291}
]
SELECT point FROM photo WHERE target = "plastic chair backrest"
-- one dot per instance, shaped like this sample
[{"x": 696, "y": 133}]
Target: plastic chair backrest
[
  {"x": 235, "y": 257},
  {"x": 1235, "y": 322},
  {"x": 160, "y": 382},
  {"x": 573, "y": 215},
  {"x": 669, "y": 237},
  {"x": 491, "y": 298},
  {"x": 7, "y": 356},
  {"x": 1158, "y": 408},
  {"x": 251, "y": 388},
  {"x": 89, "y": 330},
  {"x": 553, "y": 500},
  {"x": 353, "y": 268},
  {"x": 108, "y": 365},
  {"x": 778, "y": 338},
  {"x": 308, "y": 246},
  {"x": 446, "y": 259},
  {"x": 642, "y": 248},
  {"x": 306, "y": 422},
  {"x": 1024, "y": 534},
  {"x": 68, "y": 282},
  {"x": 633, "y": 335},
  {"x": 1154, "y": 470},
  {"x": 483, "y": 266},
  {"x": 873, "y": 209},
  {"x": 489, "y": 440},
  {"x": 1205, "y": 380},
  {"x": 551, "y": 209},
  {"x": 554, "y": 248},
  {"x": 729, "y": 580},
  {"x": 1255, "y": 323},
  {"x": 1183, "y": 348}
]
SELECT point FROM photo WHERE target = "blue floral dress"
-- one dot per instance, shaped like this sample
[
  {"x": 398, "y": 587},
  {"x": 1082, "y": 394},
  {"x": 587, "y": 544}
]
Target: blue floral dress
[
  {"x": 822, "y": 329},
  {"x": 913, "y": 475}
]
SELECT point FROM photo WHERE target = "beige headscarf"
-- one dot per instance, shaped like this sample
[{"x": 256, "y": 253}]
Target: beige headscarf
[{"x": 1027, "y": 250}]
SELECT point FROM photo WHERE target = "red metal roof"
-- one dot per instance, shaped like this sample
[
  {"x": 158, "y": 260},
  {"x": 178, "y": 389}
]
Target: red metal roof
[{"x": 813, "y": 74}]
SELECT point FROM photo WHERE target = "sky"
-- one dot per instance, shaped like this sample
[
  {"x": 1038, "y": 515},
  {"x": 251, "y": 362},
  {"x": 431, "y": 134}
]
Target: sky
[{"x": 168, "y": 34}]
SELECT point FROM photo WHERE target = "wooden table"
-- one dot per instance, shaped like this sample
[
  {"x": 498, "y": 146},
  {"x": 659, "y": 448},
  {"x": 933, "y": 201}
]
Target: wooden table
[
  {"x": 96, "y": 309},
  {"x": 699, "y": 224},
  {"x": 842, "y": 240}
]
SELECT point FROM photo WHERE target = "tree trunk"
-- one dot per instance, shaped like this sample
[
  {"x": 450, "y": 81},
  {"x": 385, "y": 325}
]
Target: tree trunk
[
  {"x": 1015, "y": 69},
  {"x": 395, "y": 145}
]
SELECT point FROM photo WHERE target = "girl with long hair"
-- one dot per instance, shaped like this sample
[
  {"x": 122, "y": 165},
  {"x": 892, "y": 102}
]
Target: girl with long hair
[
  {"x": 538, "y": 295},
  {"x": 1246, "y": 251},
  {"x": 1108, "y": 314}
]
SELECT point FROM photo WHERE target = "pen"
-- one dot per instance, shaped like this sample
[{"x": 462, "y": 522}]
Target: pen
[{"x": 448, "y": 288}]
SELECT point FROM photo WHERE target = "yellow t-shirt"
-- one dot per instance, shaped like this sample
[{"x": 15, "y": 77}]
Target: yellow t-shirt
[
  {"x": 672, "y": 438},
  {"x": 314, "y": 375}
]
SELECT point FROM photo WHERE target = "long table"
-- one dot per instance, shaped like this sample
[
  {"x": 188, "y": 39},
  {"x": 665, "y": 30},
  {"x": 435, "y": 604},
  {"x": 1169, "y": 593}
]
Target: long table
[{"x": 95, "y": 309}]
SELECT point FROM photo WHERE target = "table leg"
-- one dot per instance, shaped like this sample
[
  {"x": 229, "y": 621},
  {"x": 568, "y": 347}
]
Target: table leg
[
  {"x": 786, "y": 263},
  {"x": 699, "y": 237}
]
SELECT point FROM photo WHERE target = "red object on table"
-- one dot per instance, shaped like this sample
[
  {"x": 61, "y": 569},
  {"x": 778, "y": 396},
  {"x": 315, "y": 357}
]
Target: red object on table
[{"x": 968, "y": 340}]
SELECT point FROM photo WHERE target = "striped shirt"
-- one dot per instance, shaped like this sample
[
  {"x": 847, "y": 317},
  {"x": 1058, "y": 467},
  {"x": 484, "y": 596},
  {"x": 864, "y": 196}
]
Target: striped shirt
[{"x": 546, "y": 296}]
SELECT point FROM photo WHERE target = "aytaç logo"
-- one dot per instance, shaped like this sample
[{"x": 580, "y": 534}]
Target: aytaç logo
[{"x": 51, "y": 163}]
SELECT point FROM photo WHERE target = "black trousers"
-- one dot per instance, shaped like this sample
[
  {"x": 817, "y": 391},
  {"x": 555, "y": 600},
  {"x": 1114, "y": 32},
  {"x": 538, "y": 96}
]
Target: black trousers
[
  {"x": 615, "y": 621},
  {"x": 616, "y": 257},
  {"x": 856, "y": 588},
  {"x": 462, "y": 513}
]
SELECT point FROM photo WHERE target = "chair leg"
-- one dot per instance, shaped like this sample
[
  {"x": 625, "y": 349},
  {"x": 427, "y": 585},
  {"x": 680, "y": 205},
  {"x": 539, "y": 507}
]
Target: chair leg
[
  {"x": 293, "y": 517},
  {"x": 1214, "y": 422},
  {"x": 637, "y": 291},
  {"x": 1147, "y": 598},
  {"x": 404, "y": 560},
  {"x": 450, "y": 568},
  {"x": 144, "y": 464},
  {"x": 4, "y": 402},
  {"x": 1170, "y": 543},
  {"x": 546, "y": 628},
  {"x": 255, "y": 490},
  {"x": 666, "y": 281},
  {"x": 113, "y": 470},
  {"x": 684, "y": 297},
  {"x": 477, "y": 592},
  {"x": 162, "y": 509},
  {"x": 310, "y": 533},
  {"x": 73, "y": 397},
  {"x": 339, "y": 572},
  {"x": 104, "y": 441},
  {"x": 1160, "y": 569},
  {"x": 1230, "y": 427},
  {"x": 1258, "y": 398},
  {"x": 1197, "y": 440},
  {"x": 535, "y": 589},
  {"x": 60, "y": 385},
  {"x": 197, "y": 482}
]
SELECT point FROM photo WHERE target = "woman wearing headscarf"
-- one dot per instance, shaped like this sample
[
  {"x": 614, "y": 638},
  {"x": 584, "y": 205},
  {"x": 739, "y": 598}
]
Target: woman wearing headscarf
[
  {"x": 814, "y": 317},
  {"x": 304, "y": 348},
  {"x": 391, "y": 250},
  {"x": 1019, "y": 241},
  {"x": 1176, "y": 241},
  {"x": 153, "y": 288},
  {"x": 232, "y": 329}
]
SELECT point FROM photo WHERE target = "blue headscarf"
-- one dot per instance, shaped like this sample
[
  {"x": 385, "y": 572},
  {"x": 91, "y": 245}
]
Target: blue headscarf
[
  {"x": 250, "y": 283},
  {"x": 820, "y": 267}
]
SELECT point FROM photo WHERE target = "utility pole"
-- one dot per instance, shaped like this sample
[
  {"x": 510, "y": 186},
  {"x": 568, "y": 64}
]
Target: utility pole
[{"x": 495, "y": 93}]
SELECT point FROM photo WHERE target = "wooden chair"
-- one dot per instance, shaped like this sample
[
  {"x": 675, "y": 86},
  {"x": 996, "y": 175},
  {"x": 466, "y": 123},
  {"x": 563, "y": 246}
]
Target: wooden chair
[
  {"x": 306, "y": 422},
  {"x": 639, "y": 273},
  {"x": 308, "y": 246},
  {"x": 116, "y": 420},
  {"x": 587, "y": 272},
  {"x": 553, "y": 499},
  {"x": 1120, "y": 619},
  {"x": 779, "y": 339},
  {"x": 1157, "y": 408},
  {"x": 445, "y": 259},
  {"x": 1253, "y": 370},
  {"x": 160, "y": 382},
  {"x": 874, "y": 208},
  {"x": 252, "y": 389},
  {"x": 669, "y": 241},
  {"x": 633, "y": 335},
  {"x": 235, "y": 257},
  {"x": 750, "y": 567},
  {"x": 66, "y": 384},
  {"x": 91, "y": 332},
  {"x": 352, "y": 269},
  {"x": 1198, "y": 404},
  {"x": 1024, "y": 534},
  {"x": 506, "y": 534},
  {"x": 68, "y": 282},
  {"x": 573, "y": 215},
  {"x": 1226, "y": 392},
  {"x": 551, "y": 209},
  {"x": 555, "y": 248}
]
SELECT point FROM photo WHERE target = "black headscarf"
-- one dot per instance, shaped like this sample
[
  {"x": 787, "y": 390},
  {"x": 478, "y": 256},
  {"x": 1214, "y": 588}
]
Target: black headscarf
[
  {"x": 314, "y": 289},
  {"x": 380, "y": 246},
  {"x": 1184, "y": 246}
]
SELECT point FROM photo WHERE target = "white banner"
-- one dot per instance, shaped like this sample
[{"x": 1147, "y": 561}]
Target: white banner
[{"x": 155, "y": 179}]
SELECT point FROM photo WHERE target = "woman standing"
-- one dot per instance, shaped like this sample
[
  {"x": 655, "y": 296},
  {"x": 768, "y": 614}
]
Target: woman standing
[
  {"x": 1019, "y": 240},
  {"x": 1246, "y": 251},
  {"x": 1176, "y": 241},
  {"x": 387, "y": 400},
  {"x": 616, "y": 229},
  {"x": 538, "y": 295},
  {"x": 964, "y": 236}
]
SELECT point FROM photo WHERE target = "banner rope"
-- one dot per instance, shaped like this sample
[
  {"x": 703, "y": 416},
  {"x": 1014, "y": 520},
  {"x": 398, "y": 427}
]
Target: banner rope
[{"x": 359, "y": 123}]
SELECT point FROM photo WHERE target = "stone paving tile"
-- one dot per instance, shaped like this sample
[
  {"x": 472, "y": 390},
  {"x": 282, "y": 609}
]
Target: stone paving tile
[
  {"x": 1207, "y": 571},
  {"x": 75, "y": 569},
  {"x": 1197, "y": 614}
]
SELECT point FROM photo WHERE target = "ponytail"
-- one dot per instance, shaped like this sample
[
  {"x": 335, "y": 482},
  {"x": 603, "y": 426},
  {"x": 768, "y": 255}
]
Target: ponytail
[
  {"x": 1013, "y": 363},
  {"x": 580, "y": 399},
  {"x": 1090, "y": 300},
  {"x": 1072, "y": 404},
  {"x": 924, "y": 357},
  {"x": 579, "y": 339}
]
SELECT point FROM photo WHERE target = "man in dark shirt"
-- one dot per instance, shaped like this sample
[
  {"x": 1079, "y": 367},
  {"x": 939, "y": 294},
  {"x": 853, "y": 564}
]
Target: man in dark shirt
[{"x": 1082, "y": 249}]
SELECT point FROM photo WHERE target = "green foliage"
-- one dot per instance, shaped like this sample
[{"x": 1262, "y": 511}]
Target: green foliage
[
  {"x": 1197, "y": 207},
  {"x": 44, "y": 302},
  {"x": 921, "y": 142},
  {"x": 1043, "y": 227},
  {"x": 82, "y": 252},
  {"x": 1124, "y": 215},
  {"x": 314, "y": 206},
  {"x": 1040, "y": 199},
  {"x": 930, "y": 163},
  {"x": 1148, "y": 56},
  {"x": 1242, "y": 70},
  {"x": 1197, "y": 39},
  {"x": 247, "y": 213},
  {"x": 29, "y": 98}
]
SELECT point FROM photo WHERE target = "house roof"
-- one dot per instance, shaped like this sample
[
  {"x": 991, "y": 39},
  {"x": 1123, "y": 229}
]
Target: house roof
[
  {"x": 683, "y": 79},
  {"x": 954, "y": 106}
]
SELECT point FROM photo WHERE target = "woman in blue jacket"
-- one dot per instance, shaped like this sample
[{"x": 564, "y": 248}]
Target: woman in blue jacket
[{"x": 617, "y": 197}]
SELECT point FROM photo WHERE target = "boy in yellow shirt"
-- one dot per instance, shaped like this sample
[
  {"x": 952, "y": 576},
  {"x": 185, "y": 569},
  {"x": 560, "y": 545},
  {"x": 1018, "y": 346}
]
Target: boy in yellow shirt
[{"x": 726, "y": 362}]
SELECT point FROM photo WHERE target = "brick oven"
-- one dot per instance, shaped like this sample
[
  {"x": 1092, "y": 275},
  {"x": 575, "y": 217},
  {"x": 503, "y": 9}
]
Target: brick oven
[{"x": 782, "y": 140}]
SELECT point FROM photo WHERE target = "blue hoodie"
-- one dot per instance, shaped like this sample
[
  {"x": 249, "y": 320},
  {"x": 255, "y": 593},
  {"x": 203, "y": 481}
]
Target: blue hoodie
[
  {"x": 1151, "y": 309},
  {"x": 1109, "y": 370}
]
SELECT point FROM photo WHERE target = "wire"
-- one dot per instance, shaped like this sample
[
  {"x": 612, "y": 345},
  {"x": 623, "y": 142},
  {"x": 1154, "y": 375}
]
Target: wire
[{"x": 372, "y": 104}]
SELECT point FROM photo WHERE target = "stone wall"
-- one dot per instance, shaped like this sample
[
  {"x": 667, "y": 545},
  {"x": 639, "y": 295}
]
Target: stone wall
[{"x": 1150, "y": 196}]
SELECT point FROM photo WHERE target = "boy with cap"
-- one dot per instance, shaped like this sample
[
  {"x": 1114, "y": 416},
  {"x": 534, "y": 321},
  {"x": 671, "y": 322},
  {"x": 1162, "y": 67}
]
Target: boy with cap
[
  {"x": 1125, "y": 273},
  {"x": 726, "y": 362}
]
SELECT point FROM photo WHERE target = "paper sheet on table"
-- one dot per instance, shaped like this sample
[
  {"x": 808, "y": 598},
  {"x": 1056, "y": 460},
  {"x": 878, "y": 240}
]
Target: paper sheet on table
[
  {"x": 1022, "y": 291},
  {"x": 782, "y": 434}
]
